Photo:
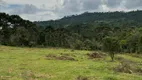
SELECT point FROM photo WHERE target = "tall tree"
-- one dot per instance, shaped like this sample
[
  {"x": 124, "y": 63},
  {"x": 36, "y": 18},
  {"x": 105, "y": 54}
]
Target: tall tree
[{"x": 111, "y": 45}]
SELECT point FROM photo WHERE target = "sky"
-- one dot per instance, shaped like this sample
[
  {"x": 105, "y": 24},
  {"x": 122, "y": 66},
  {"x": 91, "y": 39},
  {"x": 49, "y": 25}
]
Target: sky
[{"x": 41, "y": 10}]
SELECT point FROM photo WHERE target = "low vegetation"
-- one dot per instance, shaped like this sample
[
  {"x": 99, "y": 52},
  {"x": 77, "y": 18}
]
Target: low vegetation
[{"x": 66, "y": 64}]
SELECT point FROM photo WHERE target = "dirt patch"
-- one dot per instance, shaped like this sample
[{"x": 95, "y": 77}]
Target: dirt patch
[
  {"x": 128, "y": 66},
  {"x": 111, "y": 78},
  {"x": 125, "y": 67},
  {"x": 95, "y": 55},
  {"x": 59, "y": 57},
  {"x": 28, "y": 75},
  {"x": 82, "y": 78},
  {"x": 40, "y": 76}
]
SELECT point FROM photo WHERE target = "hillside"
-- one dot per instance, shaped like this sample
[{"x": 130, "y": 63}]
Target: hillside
[
  {"x": 118, "y": 19},
  {"x": 16, "y": 31},
  {"x": 66, "y": 64},
  {"x": 72, "y": 48},
  {"x": 122, "y": 28},
  {"x": 13, "y": 21}
]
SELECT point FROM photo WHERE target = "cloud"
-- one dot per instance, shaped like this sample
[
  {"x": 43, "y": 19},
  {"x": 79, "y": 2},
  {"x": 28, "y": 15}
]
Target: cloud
[
  {"x": 54, "y": 9},
  {"x": 114, "y": 3},
  {"x": 67, "y": 7},
  {"x": 133, "y": 4},
  {"x": 91, "y": 4},
  {"x": 2, "y": 2},
  {"x": 40, "y": 16},
  {"x": 24, "y": 9}
]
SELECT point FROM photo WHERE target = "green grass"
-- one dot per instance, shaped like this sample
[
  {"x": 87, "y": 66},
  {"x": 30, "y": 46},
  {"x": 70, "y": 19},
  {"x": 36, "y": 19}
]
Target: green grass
[{"x": 31, "y": 64}]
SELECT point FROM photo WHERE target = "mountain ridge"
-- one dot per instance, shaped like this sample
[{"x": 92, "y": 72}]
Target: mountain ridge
[{"x": 132, "y": 16}]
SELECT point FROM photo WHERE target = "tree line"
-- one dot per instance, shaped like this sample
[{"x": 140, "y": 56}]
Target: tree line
[{"x": 97, "y": 35}]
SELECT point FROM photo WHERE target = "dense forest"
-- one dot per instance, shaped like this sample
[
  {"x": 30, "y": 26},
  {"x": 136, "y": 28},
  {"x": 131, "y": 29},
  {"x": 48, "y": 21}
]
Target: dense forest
[
  {"x": 110, "y": 31},
  {"x": 117, "y": 19}
]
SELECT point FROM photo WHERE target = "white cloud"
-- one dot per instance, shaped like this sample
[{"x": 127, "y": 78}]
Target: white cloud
[
  {"x": 40, "y": 16},
  {"x": 25, "y": 9},
  {"x": 38, "y": 3}
]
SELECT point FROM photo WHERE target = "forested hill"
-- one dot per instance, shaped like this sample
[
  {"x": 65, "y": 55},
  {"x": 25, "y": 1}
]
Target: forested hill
[
  {"x": 16, "y": 31},
  {"x": 14, "y": 20},
  {"x": 119, "y": 19},
  {"x": 90, "y": 31}
]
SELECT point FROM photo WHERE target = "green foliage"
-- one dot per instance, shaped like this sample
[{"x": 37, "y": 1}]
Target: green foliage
[
  {"x": 123, "y": 45},
  {"x": 140, "y": 44},
  {"x": 86, "y": 31},
  {"x": 16, "y": 31},
  {"x": 111, "y": 45},
  {"x": 118, "y": 19}
]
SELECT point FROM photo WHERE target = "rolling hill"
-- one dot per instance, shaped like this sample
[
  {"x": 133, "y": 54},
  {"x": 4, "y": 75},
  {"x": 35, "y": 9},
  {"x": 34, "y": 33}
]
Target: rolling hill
[{"x": 132, "y": 18}]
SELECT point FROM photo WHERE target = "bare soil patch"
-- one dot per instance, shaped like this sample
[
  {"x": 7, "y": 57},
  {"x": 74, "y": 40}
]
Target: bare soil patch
[
  {"x": 82, "y": 78},
  {"x": 95, "y": 55},
  {"x": 128, "y": 66},
  {"x": 59, "y": 57}
]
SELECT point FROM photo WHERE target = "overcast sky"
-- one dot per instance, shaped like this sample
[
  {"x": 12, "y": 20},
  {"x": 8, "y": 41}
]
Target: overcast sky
[{"x": 39, "y": 10}]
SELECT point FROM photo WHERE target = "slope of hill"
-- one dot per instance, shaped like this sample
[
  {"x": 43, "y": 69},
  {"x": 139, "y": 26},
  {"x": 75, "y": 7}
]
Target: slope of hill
[
  {"x": 14, "y": 21},
  {"x": 65, "y": 64},
  {"x": 91, "y": 29},
  {"x": 132, "y": 18},
  {"x": 87, "y": 31}
]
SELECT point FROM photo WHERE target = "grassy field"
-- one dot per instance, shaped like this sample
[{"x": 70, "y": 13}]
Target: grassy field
[{"x": 64, "y": 64}]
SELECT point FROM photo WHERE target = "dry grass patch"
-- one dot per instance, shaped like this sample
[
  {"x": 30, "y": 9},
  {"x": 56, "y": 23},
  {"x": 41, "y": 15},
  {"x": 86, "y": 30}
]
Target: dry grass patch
[
  {"x": 29, "y": 75},
  {"x": 95, "y": 55},
  {"x": 59, "y": 57},
  {"x": 5, "y": 77},
  {"x": 82, "y": 78},
  {"x": 128, "y": 66}
]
